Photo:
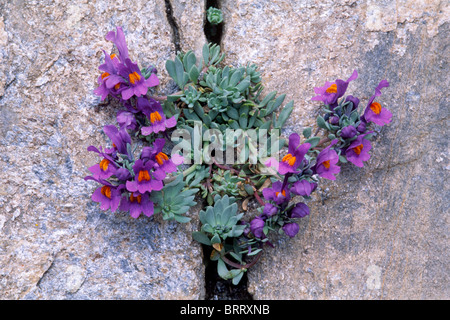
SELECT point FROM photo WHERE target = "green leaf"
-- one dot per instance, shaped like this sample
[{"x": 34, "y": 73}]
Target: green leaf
[
  {"x": 170, "y": 67},
  {"x": 194, "y": 74},
  {"x": 267, "y": 98},
  {"x": 207, "y": 119},
  {"x": 215, "y": 239},
  {"x": 236, "y": 256},
  {"x": 201, "y": 237},
  {"x": 307, "y": 132},
  {"x": 205, "y": 54},
  {"x": 222, "y": 269},
  {"x": 182, "y": 219},
  {"x": 209, "y": 217},
  {"x": 252, "y": 120},
  {"x": 233, "y": 124},
  {"x": 238, "y": 278},
  {"x": 284, "y": 114},
  {"x": 266, "y": 125},
  {"x": 275, "y": 104},
  {"x": 235, "y": 78},
  {"x": 243, "y": 120},
  {"x": 313, "y": 141},
  {"x": 182, "y": 77},
  {"x": 321, "y": 122},
  {"x": 254, "y": 252},
  {"x": 232, "y": 113},
  {"x": 343, "y": 159},
  {"x": 354, "y": 116},
  {"x": 189, "y": 60},
  {"x": 244, "y": 84}
]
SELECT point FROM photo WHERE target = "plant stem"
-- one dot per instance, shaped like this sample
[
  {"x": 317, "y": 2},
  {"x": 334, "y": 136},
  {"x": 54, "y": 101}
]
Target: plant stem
[
  {"x": 190, "y": 170},
  {"x": 239, "y": 266},
  {"x": 285, "y": 181},
  {"x": 161, "y": 98},
  {"x": 225, "y": 167}
]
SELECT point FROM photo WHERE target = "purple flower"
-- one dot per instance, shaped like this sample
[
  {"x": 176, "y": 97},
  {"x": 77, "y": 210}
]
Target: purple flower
[
  {"x": 146, "y": 179},
  {"x": 348, "y": 132},
  {"x": 362, "y": 127},
  {"x": 358, "y": 151},
  {"x": 326, "y": 162},
  {"x": 108, "y": 196},
  {"x": 154, "y": 112},
  {"x": 106, "y": 168},
  {"x": 110, "y": 67},
  {"x": 123, "y": 174},
  {"x": 103, "y": 170},
  {"x": 276, "y": 194},
  {"x": 374, "y": 112},
  {"x": 121, "y": 74},
  {"x": 134, "y": 83},
  {"x": 299, "y": 211},
  {"x": 303, "y": 188},
  {"x": 119, "y": 138},
  {"x": 118, "y": 38},
  {"x": 256, "y": 227},
  {"x": 156, "y": 155},
  {"x": 353, "y": 100},
  {"x": 126, "y": 119},
  {"x": 136, "y": 204},
  {"x": 293, "y": 159},
  {"x": 269, "y": 210},
  {"x": 291, "y": 229},
  {"x": 334, "y": 120},
  {"x": 332, "y": 91}
]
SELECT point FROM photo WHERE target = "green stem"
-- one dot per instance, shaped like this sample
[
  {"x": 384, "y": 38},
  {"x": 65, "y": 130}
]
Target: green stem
[
  {"x": 190, "y": 170},
  {"x": 239, "y": 266}
]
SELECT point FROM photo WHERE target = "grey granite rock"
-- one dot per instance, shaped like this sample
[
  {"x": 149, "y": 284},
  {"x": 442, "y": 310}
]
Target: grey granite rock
[{"x": 380, "y": 232}]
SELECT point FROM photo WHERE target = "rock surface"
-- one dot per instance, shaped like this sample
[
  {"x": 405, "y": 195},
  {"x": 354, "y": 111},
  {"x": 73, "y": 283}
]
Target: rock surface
[
  {"x": 379, "y": 232},
  {"x": 55, "y": 243}
]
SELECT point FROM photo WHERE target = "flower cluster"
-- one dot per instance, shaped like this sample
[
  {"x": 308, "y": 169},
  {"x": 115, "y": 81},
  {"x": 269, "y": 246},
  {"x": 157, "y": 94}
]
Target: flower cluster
[
  {"x": 307, "y": 162},
  {"x": 344, "y": 122},
  {"x": 129, "y": 181},
  {"x": 222, "y": 98},
  {"x": 122, "y": 78}
]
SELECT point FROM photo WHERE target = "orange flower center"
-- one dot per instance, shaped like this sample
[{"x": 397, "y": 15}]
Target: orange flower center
[
  {"x": 117, "y": 86},
  {"x": 326, "y": 164},
  {"x": 289, "y": 159},
  {"x": 358, "y": 149},
  {"x": 104, "y": 165},
  {"x": 143, "y": 175},
  {"x": 134, "y": 77},
  {"x": 161, "y": 157},
  {"x": 133, "y": 198},
  {"x": 376, "y": 107},
  {"x": 332, "y": 88},
  {"x": 106, "y": 191},
  {"x": 155, "y": 116},
  {"x": 105, "y": 74},
  {"x": 113, "y": 56},
  {"x": 282, "y": 192}
]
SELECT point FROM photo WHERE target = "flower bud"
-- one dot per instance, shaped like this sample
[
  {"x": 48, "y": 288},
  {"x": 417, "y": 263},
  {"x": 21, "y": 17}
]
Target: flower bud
[
  {"x": 362, "y": 127},
  {"x": 334, "y": 120},
  {"x": 348, "y": 132}
]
